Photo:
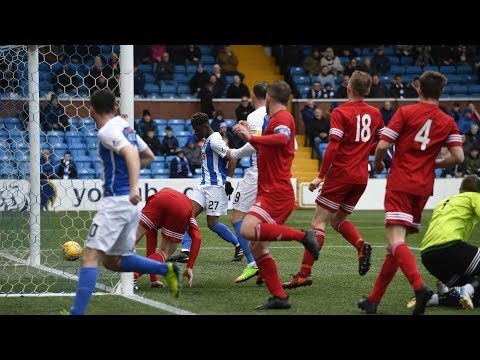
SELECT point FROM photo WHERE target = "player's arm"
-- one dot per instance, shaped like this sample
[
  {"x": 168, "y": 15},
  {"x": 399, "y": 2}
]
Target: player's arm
[
  {"x": 220, "y": 147},
  {"x": 388, "y": 137},
  {"x": 146, "y": 154},
  {"x": 247, "y": 149},
  {"x": 455, "y": 148},
  {"x": 280, "y": 137},
  {"x": 194, "y": 233}
]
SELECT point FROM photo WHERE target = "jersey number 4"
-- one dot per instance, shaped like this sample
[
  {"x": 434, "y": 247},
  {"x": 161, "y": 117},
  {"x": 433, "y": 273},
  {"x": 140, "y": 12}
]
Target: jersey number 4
[
  {"x": 423, "y": 133},
  {"x": 363, "y": 128}
]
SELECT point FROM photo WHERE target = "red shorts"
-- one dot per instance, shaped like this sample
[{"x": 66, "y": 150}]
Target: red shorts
[
  {"x": 405, "y": 209},
  {"x": 169, "y": 210},
  {"x": 337, "y": 195},
  {"x": 272, "y": 209}
]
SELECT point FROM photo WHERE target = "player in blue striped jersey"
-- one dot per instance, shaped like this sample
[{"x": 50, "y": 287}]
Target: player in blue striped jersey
[
  {"x": 111, "y": 237},
  {"x": 212, "y": 193}
]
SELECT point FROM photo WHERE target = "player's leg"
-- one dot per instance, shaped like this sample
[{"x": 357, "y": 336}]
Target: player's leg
[
  {"x": 141, "y": 230},
  {"x": 198, "y": 200},
  {"x": 86, "y": 280},
  {"x": 251, "y": 270},
  {"x": 304, "y": 276},
  {"x": 266, "y": 264},
  {"x": 152, "y": 242},
  {"x": 216, "y": 205},
  {"x": 120, "y": 257}
]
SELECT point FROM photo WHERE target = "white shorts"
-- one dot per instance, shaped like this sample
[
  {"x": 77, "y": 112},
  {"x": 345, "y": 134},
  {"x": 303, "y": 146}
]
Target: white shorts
[
  {"x": 114, "y": 226},
  {"x": 212, "y": 198},
  {"x": 246, "y": 192}
]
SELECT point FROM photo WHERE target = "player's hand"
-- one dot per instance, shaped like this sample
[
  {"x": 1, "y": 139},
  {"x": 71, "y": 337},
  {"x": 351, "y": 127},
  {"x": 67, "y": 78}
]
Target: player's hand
[
  {"x": 228, "y": 188},
  {"x": 378, "y": 167},
  {"x": 134, "y": 195},
  {"x": 316, "y": 183},
  {"x": 188, "y": 273},
  {"x": 242, "y": 131}
]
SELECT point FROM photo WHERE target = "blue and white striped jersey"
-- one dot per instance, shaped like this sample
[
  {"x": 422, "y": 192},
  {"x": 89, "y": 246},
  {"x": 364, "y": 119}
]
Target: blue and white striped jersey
[
  {"x": 112, "y": 137},
  {"x": 214, "y": 162}
]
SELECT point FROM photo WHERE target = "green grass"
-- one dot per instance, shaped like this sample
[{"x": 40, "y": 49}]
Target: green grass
[{"x": 336, "y": 289}]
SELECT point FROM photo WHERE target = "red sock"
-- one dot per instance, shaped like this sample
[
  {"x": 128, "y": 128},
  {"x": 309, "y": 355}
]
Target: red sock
[
  {"x": 268, "y": 272},
  {"x": 350, "y": 233},
  {"x": 308, "y": 259},
  {"x": 406, "y": 262},
  {"x": 274, "y": 232},
  {"x": 387, "y": 272},
  {"x": 157, "y": 257},
  {"x": 151, "y": 248}
]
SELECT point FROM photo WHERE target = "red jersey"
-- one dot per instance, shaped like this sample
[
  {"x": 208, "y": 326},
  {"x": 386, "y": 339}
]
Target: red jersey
[
  {"x": 356, "y": 124},
  {"x": 418, "y": 131},
  {"x": 275, "y": 159}
]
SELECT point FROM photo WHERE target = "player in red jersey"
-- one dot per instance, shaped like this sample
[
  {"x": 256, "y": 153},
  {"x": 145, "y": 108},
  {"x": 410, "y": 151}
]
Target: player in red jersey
[
  {"x": 418, "y": 131},
  {"x": 275, "y": 197},
  {"x": 170, "y": 211},
  {"x": 344, "y": 173}
]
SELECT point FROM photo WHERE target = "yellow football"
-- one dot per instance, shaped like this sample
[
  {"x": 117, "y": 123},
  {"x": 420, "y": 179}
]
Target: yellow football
[{"x": 71, "y": 251}]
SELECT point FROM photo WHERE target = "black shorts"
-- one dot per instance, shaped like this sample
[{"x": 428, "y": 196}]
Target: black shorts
[{"x": 454, "y": 264}]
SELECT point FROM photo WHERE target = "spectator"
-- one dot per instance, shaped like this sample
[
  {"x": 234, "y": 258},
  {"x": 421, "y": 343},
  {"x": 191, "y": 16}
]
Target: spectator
[
  {"x": 220, "y": 74},
  {"x": 214, "y": 87},
  {"x": 138, "y": 82},
  {"x": 307, "y": 118},
  {"x": 193, "y": 154},
  {"x": 217, "y": 120},
  {"x": 244, "y": 109},
  {"x": 473, "y": 162},
  {"x": 404, "y": 50},
  {"x": 199, "y": 79},
  {"x": 475, "y": 114},
  {"x": 145, "y": 124},
  {"x": 54, "y": 117},
  {"x": 366, "y": 65},
  {"x": 412, "y": 88},
  {"x": 165, "y": 68},
  {"x": 157, "y": 52},
  {"x": 47, "y": 165},
  {"x": 387, "y": 112},
  {"x": 341, "y": 92},
  {"x": 462, "y": 56},
  {"x": 311, "y": 65},
  {"x": 467, "y": 145},
  {"x": 456, "y": 113},
  {"x": 466, "y": 121},
  {"x": 229, "y": 62},
  {"x": 226, "y": 135},
  {"x": 193, "y": 54},
  {"x": 67, "y": 81},
  {"x": 211, "y": 90},
  {"x": 112, "y": 73},
  {"x": 324, "y": 77},
  {"x": 67, "y": 168},
  {"x": 378, "y": 89},
  {"x": 332, "y": 62},
  {"x": 96, "y": 78},
  {"x": 397, "y": 90},
  {"x": 153, "y": 143},
  {"x": 143, "y": 54},
  {"x": 315, "y": 92},
  {"x": 292, "y": 56},
  {"x": 177, "y": 54},
  {"x": 380, "y": 63},
  {"x": 179, "y": 166},
  {"x": 352, "y": 66},
  {"x": 473, "y": 136},
  {"x": 169, "y": 142},
  {"x": 237, "y": 89},
  {"x": 320, "y": 129},
  {"x": 442, "y": 55},
  {"x": 327, "y": 91},
  {"x": 423, "y": 55}
]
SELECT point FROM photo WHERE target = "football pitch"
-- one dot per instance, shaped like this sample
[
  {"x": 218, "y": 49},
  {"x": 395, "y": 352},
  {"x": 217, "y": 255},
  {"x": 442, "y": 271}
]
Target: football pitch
[{"x": 335, "y": 291}]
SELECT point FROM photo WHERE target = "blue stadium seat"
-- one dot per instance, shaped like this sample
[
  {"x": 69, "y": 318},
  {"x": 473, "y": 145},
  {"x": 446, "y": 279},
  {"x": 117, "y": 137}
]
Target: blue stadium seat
[
  {"x": 86, "y": 173},
  {"x": 151, "y": 88},
  {"x": 238, "y": 173},
  {"x": 206, "y": 50},
  {"x": 394, "y": 60},
  {"x": 191, "y": 69},
  {"x": 208, "y": 59},
  {"x": 474, "y": 89},
  {"x": 23, "y": 168},
  {"x": 388, "y": 51},
  {"x": 154, "y": 96},
  {"x": 180, "y": 69},
  {"x": 229, "y": 79},
  {"x": 230, "y": 122},
  {"x": 8, "y": 170},
  {"x": 448, "y": 69},
  {"x": 12, "y": 123},
  {"x": 411, "y": 69},
  {"x": 177, "y": 128},
  {"x": 169, "y": 96},
  {"x": 182, "y": 78},
  {"x": 460, "y": 95},
  {"x": 297, "y": 71},
  {"x": 430, "y": 68},
  {"x": 460, "y": 89},
  {"x": 397, "y": 69},
  {"x": 186, "y": 96},
  {"x": 169, "y": 89},
  {"x": 158, "y": 170},
  {"x": 176, "y": 122},
  {"x": 145, "y": 68},
  {"x": 183, "y": 89},
  {"x": 150, "y": 78},
  {"x": 406, "y": 60},
  {"x": 470, "y": 78},
  {"x": 182, "y": 140},
  {"x": 145, "y": 173},
  {"x": 80, "y": 155},
  {"x": 4, "y": 144},
  {"x": 76, "y": 142},
  {"x": 83, "y": 164},
  {"x": 301, "y": 79},
  {"x": 464, "y": 69},
  {"x": 245, "y": 162},
  {"x": 92, "y": 143},
  {"x": 447, "y": 90},
  {"x": 454, "y": 79},
  {"x": 160, "y": 130},
  {"x": 160, "y": 121},
  {"x": 22, "y": 156}
]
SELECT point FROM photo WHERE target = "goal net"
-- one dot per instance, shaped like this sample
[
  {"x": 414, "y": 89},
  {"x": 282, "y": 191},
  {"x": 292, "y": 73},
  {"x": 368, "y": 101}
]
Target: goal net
[{"x": 48, "y": 160}]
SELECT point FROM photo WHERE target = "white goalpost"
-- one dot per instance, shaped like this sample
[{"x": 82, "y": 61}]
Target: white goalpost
[{"x": 39, "y": 211}]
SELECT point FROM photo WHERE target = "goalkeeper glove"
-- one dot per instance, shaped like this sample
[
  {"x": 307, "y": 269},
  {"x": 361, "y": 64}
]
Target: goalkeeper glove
[{"x": 228, "y": 186}]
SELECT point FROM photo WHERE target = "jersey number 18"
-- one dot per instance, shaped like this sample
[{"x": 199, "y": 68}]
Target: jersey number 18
[{"x": 363, "y": 127}]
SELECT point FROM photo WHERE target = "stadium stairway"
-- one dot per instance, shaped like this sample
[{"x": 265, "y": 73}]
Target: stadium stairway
[
  {"x": 255, "y": 65},
  {"x": 304, "y": 168}
]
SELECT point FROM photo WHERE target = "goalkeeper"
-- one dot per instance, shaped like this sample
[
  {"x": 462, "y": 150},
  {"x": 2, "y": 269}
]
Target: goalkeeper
[{"x": 445, "y": 251}]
